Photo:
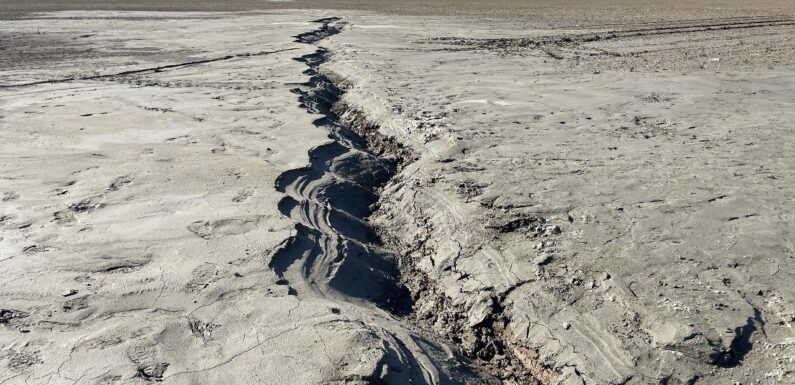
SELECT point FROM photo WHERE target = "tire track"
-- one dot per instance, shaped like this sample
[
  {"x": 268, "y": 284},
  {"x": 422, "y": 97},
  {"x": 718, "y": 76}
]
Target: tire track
[{"x": 575, "y": 39}]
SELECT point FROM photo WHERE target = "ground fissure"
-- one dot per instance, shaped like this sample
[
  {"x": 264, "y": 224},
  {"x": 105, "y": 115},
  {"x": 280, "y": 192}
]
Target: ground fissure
[{"x": 338, "y": 188}]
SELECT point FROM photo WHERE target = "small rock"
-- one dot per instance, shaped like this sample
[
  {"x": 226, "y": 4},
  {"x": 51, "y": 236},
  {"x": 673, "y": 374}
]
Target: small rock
[
  {"x": 543, "y": 259},
  {"x": 566, "y": 325},
  {"x": 552, "y": 230},
  {"x": 69, "y": 293},
  {"x": 480, "y": 310}
]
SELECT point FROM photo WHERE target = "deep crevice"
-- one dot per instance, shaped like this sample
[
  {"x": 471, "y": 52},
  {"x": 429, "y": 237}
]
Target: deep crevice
[{"x": 334, "y": 249}]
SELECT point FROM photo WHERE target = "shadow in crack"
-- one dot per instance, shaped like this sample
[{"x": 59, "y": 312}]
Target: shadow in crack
[
  {"x": 335, "y": 253},
  {"x": 342, "y": 266},
  {"x": 334, "y": 249}
]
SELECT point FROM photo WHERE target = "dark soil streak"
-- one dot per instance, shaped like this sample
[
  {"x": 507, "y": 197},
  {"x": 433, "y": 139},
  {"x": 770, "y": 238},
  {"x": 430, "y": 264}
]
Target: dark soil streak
[{"x": 143, "y": 70}]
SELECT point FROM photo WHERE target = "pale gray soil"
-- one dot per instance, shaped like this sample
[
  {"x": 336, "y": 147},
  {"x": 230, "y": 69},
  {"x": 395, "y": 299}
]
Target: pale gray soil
[
  {"x": 282, "y": 197},
  {"x": 609, "y": 205},
  {"x": 142, "y": 239}
]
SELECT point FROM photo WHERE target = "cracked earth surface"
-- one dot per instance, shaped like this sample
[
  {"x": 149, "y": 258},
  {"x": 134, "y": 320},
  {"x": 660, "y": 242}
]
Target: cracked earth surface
[{"x": 258, "y": 198}]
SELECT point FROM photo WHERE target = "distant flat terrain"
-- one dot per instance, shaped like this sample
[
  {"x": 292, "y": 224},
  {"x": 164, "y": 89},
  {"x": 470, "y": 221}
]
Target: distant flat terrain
[{"x": 578, "y": 11}]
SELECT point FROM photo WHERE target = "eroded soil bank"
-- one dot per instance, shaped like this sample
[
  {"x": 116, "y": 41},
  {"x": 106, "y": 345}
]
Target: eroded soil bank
[{"x": 601, "y": 204}]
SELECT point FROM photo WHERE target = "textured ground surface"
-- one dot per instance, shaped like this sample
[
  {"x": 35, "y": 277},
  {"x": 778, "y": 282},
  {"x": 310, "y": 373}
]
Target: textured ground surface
[
  {"x": 142, "y": 238},
  {"x": 618, "y": 196},
  {"x": 183, "y": 201}
]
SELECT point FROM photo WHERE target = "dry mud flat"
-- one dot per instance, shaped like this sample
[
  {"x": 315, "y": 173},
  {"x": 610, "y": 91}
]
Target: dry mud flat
[
  {"x": 600, "y": 205},
  {"x": 162, "y": 220},
  {"x": 195, "y": 197}
]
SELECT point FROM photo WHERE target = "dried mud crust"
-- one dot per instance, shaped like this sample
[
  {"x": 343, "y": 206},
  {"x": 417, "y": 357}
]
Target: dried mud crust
[
  {"x": 487, "y": 342},
  {"x": 601, "y": 299},
  {"x": 486, "y": 337},
  {"x": 379, "y": 144}
]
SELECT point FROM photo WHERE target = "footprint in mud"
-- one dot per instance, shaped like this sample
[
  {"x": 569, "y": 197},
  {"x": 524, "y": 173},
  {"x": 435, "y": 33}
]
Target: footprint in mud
[
  {"x": 20, "y": 360},
  {"x": 75, "y": 304},
  {"x": 7, "y": 221},
  {"x": 64, "y": 217},
  {"x": 67, "y": 215},
  {"x": 653, "y": 97},
  {"x": 223, "y": 227},
  {"x": 153, "y": 372},
  {"x": 243, "y": 195},
  {"x": 219, "y": 149},
  {"x": 237, "y": 174},
  {"x": 86, "y": 205},
  {"x": 202, "y": 277},
  {"x": 148, "y": 358},
  {"x": 10, "y": 196},
  {"x": 119, "y": 183}
]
